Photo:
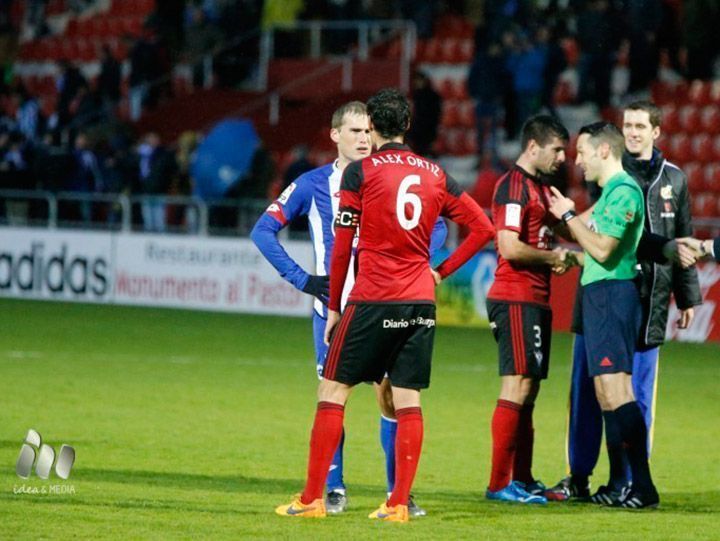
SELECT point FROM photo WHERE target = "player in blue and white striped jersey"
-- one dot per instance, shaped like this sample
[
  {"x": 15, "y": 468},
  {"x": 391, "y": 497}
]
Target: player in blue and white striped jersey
[{"x": 316, "y": 194}]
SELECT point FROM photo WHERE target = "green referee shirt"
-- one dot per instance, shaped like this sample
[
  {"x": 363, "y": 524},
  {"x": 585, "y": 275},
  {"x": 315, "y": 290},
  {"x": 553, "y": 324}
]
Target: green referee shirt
[{"x": 619, "y": 213}]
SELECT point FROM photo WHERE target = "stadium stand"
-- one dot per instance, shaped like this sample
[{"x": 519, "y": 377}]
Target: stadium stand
[{"x": 310, "y": 70}]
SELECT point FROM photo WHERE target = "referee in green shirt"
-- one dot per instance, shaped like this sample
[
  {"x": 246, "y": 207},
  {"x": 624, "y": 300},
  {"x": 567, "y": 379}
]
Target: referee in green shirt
[{"x": 611, "y": 305}]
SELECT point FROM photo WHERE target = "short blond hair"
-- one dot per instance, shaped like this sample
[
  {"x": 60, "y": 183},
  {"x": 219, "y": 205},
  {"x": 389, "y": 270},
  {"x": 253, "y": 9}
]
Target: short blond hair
[{"x": 350, "y": 108}]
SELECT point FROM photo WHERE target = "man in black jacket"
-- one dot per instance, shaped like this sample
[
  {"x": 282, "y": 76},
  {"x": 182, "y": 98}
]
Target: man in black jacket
[{"x": 667, "y": 216}]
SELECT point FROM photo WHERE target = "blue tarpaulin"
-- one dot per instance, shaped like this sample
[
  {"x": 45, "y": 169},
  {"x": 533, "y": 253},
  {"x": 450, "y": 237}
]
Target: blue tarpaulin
[{"x": 224, "y": 157}]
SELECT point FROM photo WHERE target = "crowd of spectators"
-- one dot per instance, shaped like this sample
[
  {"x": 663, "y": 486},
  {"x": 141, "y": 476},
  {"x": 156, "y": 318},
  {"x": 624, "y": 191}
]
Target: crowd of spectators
[
  {"x": 521, "y": 49},
  {"x": 81, "y": 145}
]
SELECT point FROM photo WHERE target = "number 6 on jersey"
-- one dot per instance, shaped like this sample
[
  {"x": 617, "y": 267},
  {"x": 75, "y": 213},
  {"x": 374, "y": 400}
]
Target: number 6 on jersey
[{"x": 407, "y": 198}]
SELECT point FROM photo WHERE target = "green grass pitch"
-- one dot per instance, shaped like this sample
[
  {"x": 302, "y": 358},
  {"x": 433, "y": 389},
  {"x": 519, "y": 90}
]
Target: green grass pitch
[{"x": 195, "y": 425}]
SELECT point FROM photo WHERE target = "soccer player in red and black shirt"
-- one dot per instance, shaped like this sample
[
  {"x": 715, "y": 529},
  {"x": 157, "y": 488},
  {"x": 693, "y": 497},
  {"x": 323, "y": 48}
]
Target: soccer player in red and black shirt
[
  {"x": 518, "y": 309},
  {"x": 395, "y": 197}
]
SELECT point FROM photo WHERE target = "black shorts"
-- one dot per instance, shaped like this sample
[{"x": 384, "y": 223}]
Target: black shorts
[
  {"x": 522, "y": 332},
  {"x": 372, "y": 339},
  {"x": 612, "y": 316}
]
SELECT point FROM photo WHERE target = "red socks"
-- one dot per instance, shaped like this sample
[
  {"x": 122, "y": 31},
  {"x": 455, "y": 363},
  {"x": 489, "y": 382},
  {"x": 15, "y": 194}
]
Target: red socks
[
  {"x": 522, "y": 470},
  {"x": 324, "y": 439},
  {"x": 505, "y": 422},
  {"x": 408, "y": 444}
]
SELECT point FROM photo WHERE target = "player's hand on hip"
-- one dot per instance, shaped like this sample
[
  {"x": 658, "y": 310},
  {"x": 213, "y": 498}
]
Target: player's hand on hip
[
  {"x": 686, "y": 318},
  {"x": 559, "y": 204},
  {"x": 436, "y": 276},
  {"x": 319, "y": 287},
  {"x": 332, "y": 320}
]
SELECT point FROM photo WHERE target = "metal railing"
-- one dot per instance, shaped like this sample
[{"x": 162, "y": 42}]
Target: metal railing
[
  {"x": 370, "y": 34},
  {"x": 121, "y": 212},
  {"x": 179, "y": 214}
]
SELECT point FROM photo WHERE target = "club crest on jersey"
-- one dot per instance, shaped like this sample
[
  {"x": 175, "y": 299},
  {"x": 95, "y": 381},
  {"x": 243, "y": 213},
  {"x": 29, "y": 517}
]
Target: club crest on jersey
[
  {"x": 629, "y": 215},
  {"x": 287, "y": 192},
  {"x": 666, "y": 192}
]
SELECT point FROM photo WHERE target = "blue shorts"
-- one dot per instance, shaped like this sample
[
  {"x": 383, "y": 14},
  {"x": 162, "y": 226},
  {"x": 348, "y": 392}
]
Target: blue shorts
[
  {"x": 319, "y": 340},
  {"x": 612, "y": 317}
]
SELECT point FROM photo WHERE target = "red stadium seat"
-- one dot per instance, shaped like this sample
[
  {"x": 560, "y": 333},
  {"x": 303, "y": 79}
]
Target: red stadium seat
[
  {"x": 690, "y": 118},
  {"x": 116, "y": 28},
  {"x": 703, "y": 150},
  {"x": 72, "y": 28},
  {"x": 47, "y": 106},
  {"x": 85, "y": 27},
  {"x": 439, "y": 146},
  {"x": 467, "y": 49},
  {"x": 580, "y": 196},
  {"x": 27, "y": 51},
  {"x": 571, "y": 49},
  {"x": 575, "y": 174},
  {"x": 680, "y": 92},
  {"x": 710, "y": 119},
  {"x": 88, "y": 51},
  {"x": 431, "y": 51},
  {"x": 55, "y": 50},
  {"x": 119, "y": 49},
  {"x": 145, "y": 7},
  {"x": 563, "y": 93},
  {"x": 466, "y": 113},
  {"x": 696, "y": 177},
  {"x": 450, "y": 51},
  {"x": 470, "y": 146},
  {"x": 680, "y": 148},
  {"x": 699, "y": 92},
  {"x": 716, "y": 147},
  {"x": 55, "y": 7},
  {"x": 571, "y": 149},
  {"x": 445, "y": 88},
  {"x": 663, "y": 93},
  {"x": 454, "y": 141},
  {"x": 670, "y": 119},
  {"x": 663, "y": 143},
  {"x": 450, "y": 115},
  {"x": 715, "y": 92},
  {"x": 100, "y": 26},
  {"x": 134, "y": 25},
  {"x": 70, "y": 49},
  {"x": 711, "y": 178},
  {"x": 49, "y": 86},
  {"x": 460, "y": 89},
  {"x": 704, "y": 205}
]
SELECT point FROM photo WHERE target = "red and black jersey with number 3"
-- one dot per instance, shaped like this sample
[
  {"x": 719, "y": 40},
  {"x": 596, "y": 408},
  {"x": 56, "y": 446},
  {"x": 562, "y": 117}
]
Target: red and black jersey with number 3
[
  {"x": 520, "y": 203},
  {"x": 395, "y": 197}
]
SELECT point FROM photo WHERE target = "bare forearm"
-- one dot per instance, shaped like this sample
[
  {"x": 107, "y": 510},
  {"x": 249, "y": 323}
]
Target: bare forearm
[
  {"x": 595, "y": 245},
  {"x": 520, "y": 252}
]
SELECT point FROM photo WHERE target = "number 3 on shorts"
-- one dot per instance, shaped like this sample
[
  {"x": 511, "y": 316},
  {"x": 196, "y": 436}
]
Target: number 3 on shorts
[
  {"x": 538, "y": 336},
  {"x": 407, "y": 198}
]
